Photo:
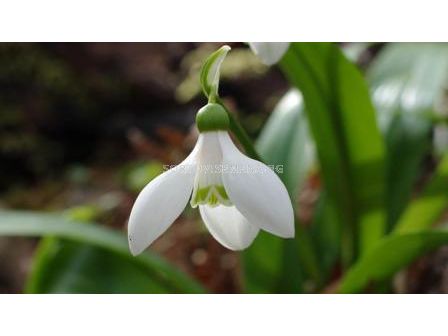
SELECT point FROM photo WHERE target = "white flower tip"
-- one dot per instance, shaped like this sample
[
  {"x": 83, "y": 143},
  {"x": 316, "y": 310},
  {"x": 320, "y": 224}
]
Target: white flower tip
[
  {"x": 284, "y": 228},
  {"x": 288, "y": 229},
  {"x": 237, "y": 248},
  {"x": 289, "y": 232},
  {"x": 269, "y": 52},
  {"x": 135, "y": 247},
  {"x": 159, "y": 204}
]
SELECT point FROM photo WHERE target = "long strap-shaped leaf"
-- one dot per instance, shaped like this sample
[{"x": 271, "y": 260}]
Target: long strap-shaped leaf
[
  {"x": 410, "y": 238},
  {"x": 407, "y": 79},
  {"x": 424, "y": 211},
  {"x": 349, "y": 145},
  {"x": 21, "y": 223},
  {"x": 389, "y": 256}
]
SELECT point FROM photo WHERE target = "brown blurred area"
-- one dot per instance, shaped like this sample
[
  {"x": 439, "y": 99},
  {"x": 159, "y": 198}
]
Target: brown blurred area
[{"x": 80, "y": 122}]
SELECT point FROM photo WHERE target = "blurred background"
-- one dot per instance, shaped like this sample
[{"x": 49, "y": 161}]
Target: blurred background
[{"x": 84, "y": 127}]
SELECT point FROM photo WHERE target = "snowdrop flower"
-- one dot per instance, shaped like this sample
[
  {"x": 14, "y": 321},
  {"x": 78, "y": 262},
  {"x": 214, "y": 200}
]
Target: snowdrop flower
[
  {"x": 236, "y": 195},
  {"x": 269, "y": 52}
]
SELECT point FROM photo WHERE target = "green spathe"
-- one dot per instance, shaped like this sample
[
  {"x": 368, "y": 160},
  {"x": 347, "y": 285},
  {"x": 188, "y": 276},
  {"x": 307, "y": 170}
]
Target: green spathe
[{"x": 212, "y": 117}]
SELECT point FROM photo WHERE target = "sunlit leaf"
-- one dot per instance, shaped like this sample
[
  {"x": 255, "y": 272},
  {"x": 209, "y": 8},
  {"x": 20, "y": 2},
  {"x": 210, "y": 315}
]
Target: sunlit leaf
[
  {"x": 389, "y": 256},
  {"x": 407, "y": 80},
  {"x": 424, "y": 211},
  {"x": 348, "y": 142}
]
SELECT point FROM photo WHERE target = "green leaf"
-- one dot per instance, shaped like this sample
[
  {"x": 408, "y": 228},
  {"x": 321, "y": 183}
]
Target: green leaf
[
  {"x": 389, "y": 256},
  {"x": 424, "y": 211},
  {"x": 408, "y": 78},
  {"x": 406, "y": 81},
  {"x": 285, "y": 141},
  {"x": 408, "y": 142},
  {"x": 34, "y": 224},
  {"x": 139, "y": 174},
  {"x": 349, "y": 145},
  {"x": 62, "y": 266},
  {"x": 263, "y": 266},
  {"x": 326, "y": 232},
  {"x": 272, "y": 264}
]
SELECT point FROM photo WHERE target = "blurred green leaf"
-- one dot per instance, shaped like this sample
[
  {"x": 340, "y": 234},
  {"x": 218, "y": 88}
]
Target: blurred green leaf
[
  {"x": 139, "y": 174},
  {"x": 285, "y": 141},
  {"x": 62, "y": 266},
  {"x": 272, "y": 264},
  {"x": 263, "y": 264},
  {"x": 25, "y": 223},
  {"x": 424, "y": 211},
  {"x": 349, "y": 145},
  {"x": 389, "y": 256},
  {"x": 408, "y": 78},
  {"x": 408, "y": 141},
  {"x": 406, "y": 81},
  {"x": 326, "y": 232}
]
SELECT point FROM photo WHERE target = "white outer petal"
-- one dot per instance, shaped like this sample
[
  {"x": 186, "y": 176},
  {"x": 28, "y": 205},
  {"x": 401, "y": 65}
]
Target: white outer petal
[
  {"x": 160, "y": 203},
  {"x": 228, "y": 226},
  {"x": 269, "y": 52},
  {"x": 256, "y": 191}
]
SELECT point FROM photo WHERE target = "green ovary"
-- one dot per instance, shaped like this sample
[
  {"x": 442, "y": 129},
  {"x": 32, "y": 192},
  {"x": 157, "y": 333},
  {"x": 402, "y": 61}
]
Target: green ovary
[{"x": 211, "y": 195}]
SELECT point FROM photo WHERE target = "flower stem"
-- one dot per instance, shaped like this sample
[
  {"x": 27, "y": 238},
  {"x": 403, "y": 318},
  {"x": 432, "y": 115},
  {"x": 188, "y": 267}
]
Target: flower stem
[{"x": 241, "y": 134}]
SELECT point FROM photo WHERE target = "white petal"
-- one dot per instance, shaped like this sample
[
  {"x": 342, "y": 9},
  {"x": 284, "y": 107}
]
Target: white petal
[
  {"x": 256, "y": 191},
  {"x": 228, "y": 226},
  {"x": 269, "y": 52},
  {"x": 160, "y": 203}
]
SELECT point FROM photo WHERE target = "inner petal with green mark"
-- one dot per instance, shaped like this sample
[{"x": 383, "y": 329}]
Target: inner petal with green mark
[
  {"x": 211, "y": 195},
  {"x": 208, "y": 186}
]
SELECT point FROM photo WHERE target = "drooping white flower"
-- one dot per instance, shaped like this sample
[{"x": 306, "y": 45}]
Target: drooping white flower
[
  {"x": 236, "y": 195},
  {"x": 269, "y": 52}
]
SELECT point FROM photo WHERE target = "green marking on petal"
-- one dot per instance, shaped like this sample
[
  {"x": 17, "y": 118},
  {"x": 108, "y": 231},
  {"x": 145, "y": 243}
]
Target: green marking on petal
[
  {"x": 222, "y": 191},
  {"x": 211, "y": 195}
]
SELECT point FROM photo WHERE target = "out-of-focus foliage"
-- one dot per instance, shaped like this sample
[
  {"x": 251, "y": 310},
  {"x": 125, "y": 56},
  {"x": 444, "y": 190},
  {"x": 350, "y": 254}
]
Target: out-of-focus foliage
[
  {"x": 285, "y": 144},
  {"x": 390, "y": 255},
  {"x": 99, "y": 244},
  {"x": 358, "y": 171},
  {"x": 348, "y": 143},
  {"x": 407, "y": 83},
  {"x": 139, "y": 174},
  {"x": 423, "y": 212},
  {"x": 62, "y": 266}
]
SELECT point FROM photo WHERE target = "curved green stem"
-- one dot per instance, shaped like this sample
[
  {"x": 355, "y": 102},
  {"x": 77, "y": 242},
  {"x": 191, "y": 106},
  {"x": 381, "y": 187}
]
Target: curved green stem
[{"x": 240, "y": 133}]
